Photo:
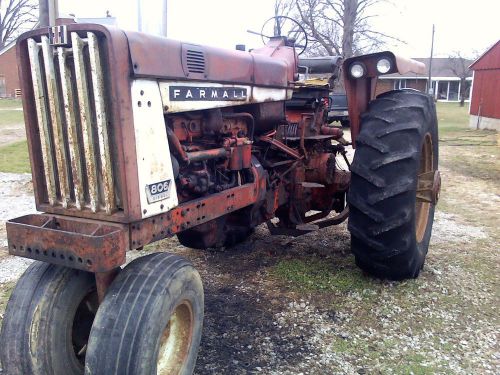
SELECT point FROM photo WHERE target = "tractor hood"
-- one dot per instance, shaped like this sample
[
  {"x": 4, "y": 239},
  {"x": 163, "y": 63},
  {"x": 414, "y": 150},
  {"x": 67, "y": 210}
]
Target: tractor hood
[{"x": 162, "y": 58}]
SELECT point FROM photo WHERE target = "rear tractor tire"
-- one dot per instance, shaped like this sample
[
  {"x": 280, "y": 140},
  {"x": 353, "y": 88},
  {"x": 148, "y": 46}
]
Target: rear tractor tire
[
  {"x": 150, "y": 321},
  {"x": 395, "y": 185},
  {"x": 47, "y": 321}
]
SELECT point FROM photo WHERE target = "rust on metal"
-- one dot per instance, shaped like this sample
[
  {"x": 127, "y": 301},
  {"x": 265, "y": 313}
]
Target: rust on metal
[
  {"x": 216, "y": 153},
  {"x": 176, "y": 340},
  {"x": 337, "y": 133},
  {"x": 85, "y": 120},
  {"x": 57, "y": 124},
  {"x": 88, "y": 245},
  {"x": 43, "y": 120},
  {"x": 192, "y": 213},
  {"x": 429, "y": 187},
  {"x": 361, "y": 90},
  {"x": 69, "y": 112},
  {"x": 102, "y": 122},
  {"x": 113, "y": 53},
  {"x": 281, "y": 146},
  {"x": 103, "y": 280}
]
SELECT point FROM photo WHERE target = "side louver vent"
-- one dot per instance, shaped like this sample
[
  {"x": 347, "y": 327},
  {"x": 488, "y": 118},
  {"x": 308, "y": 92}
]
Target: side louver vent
[{"x": 195, "y": 61}]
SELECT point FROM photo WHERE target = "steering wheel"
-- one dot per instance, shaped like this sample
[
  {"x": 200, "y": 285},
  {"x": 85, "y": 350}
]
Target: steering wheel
[{"x": 294, "y": 33}]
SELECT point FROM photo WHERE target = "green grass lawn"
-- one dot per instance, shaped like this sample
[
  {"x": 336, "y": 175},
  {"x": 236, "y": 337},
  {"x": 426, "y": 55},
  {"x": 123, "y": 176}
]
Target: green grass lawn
[
  {"x": 9, "y": 113},
  {"x": 452, "y": 117},
  {"x": 10, "y": 103},
  {"x": 14, "y": 158}
]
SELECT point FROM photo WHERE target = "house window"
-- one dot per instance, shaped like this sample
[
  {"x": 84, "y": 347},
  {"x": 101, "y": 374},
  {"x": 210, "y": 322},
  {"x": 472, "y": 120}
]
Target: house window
[
  {"x": 442, "y": 93},
  {"x": 450, "y": 90},
  {"x": 453, "y": 91},
  {"x": 399, "y": 84}
]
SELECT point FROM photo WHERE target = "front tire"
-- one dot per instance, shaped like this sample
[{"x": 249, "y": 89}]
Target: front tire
[
  {"x": 150, "y": 321},
  {"x": 47, "y": 321},
  {"x": 390, "y": 225}
]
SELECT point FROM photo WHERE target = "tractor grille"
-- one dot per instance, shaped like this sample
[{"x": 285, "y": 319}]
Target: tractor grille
[
  {"x": 195, "y": 61},
  {"x": 69, "y": 91}
]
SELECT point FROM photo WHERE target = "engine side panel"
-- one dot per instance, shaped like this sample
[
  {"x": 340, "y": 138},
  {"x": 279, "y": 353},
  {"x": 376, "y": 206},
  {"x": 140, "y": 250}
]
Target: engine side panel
[{"x": 157, "y": 189}]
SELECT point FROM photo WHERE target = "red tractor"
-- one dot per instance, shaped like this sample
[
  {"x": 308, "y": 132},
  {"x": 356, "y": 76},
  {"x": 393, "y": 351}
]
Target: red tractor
[{"x": 135, "y": 138}]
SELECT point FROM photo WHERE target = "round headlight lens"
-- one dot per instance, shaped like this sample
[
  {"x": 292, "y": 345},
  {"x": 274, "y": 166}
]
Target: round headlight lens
[
  {"x": 383, "y": 66},
  {"x": 357, "y": 70}
]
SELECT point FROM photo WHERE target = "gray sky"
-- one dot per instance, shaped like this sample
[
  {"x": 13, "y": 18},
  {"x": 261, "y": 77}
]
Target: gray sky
[{"x": 466, "y": 26}]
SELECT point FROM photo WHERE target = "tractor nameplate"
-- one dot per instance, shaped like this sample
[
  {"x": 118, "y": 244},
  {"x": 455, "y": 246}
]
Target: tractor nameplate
[{"x": 189, "y": 93}]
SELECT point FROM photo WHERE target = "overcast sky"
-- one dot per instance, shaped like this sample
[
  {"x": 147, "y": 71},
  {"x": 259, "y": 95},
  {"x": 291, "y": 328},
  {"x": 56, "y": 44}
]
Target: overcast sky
[{"x": 466, "y": 26}]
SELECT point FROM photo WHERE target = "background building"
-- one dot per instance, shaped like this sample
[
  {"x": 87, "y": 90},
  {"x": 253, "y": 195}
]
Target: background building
[
  {"x": 9, "y": 80},
  {"x": 446, "y": 84},
  {"x": 485, "y": 102}
]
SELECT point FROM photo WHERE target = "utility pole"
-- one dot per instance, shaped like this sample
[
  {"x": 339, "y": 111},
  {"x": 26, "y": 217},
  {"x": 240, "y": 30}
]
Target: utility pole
[
  {"x": 43, "y": 13},
  {"x": 47, "y": 12},
  {"x": 429, "y": 84}
]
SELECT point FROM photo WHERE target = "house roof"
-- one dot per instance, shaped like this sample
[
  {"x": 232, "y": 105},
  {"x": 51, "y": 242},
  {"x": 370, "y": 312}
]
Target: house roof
[
  {"x": 441, "y": 67},
  {"x": 489, "y": 59}
]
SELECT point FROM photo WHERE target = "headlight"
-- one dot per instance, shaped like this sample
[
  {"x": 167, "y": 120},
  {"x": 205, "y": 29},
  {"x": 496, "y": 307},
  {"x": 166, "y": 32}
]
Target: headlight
[
  {"x": 357, "y": 70},
  {"x": 383, "y": 66}
]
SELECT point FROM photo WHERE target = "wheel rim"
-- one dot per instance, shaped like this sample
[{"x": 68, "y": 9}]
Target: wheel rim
[
  {"x": 423, "y": 205},
  {"x": 176, "y": 340},
  {"x": 82, "y": 324}
]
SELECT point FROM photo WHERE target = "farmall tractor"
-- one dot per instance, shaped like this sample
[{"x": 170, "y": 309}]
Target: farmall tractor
[{"x": 135, "y": 138}]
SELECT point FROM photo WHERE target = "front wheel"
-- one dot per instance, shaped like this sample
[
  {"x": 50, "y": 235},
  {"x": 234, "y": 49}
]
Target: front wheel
[
  {"x": 150, "y": 321},
  {"x": 47, "y": 321},
  {"x": 395, "y": 184}
]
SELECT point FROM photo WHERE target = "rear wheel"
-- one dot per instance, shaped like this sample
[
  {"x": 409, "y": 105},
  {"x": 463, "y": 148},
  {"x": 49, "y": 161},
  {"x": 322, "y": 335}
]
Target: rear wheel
[
  {"x": 394, "y": 185},
  {"x": 47, "y": 322},
  {"x": 150, "y": 321}
]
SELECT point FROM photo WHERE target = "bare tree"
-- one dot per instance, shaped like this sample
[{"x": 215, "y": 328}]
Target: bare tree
[
  {"x": 16, "y": 16},
  {"x": 337, "y": 27},
  {"x": 459, "y": 66}
]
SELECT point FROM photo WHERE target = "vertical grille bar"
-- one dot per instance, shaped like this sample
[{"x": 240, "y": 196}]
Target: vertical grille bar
[
  {"x": 69, "y": 111},
  {"x": 85, "y": 119},
  {"x": 43, "y": 120},
  {"x": 57, "y": 125},
  {"x": 102, "y": 122}
]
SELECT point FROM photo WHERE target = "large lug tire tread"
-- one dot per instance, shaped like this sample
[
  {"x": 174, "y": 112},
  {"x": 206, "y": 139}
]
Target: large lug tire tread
[
  {"x": 125, "y": 337},
  {"x": 382, "y": 194},
  {"x": 37, "y": 329}
]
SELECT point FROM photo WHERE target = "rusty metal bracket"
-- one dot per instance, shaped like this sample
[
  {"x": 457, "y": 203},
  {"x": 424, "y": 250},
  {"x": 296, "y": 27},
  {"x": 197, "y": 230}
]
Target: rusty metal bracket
[
  {"x": 429, "y": 187},
  {"x": 88, "y": 245},
  {"x": 191, "y": 214},
  {"x": 280, "y": 146}
]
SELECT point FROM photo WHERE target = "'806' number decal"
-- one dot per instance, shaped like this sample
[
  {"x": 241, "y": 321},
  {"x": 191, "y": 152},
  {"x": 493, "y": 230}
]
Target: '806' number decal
[{"x": 158, "y": 191}]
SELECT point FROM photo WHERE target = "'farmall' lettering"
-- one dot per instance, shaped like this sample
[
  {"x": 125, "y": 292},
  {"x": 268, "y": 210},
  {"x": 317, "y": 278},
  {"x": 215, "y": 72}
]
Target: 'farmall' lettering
[{"x": 189, "y": 94}]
